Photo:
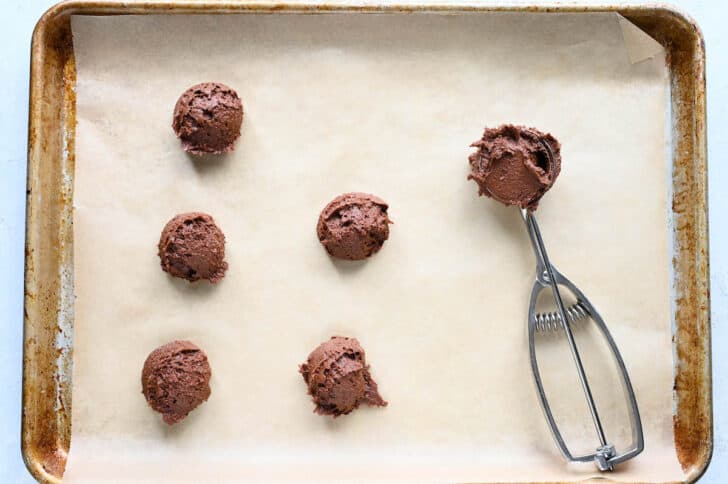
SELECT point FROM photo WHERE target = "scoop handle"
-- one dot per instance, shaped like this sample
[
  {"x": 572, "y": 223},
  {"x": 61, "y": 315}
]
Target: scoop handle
[{"x": 547, "y": 276}]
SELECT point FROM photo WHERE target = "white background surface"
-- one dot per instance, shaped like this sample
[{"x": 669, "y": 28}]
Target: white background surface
[{"x": 18, "y": 19}]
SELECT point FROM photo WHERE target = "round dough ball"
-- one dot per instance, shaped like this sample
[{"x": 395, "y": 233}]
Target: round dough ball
[
  {"x": 207, "y": 118},
  {"x": 192, "y": 247},
  {"x": 176, "y": 380},
  {"x": 354, "y": 226}
]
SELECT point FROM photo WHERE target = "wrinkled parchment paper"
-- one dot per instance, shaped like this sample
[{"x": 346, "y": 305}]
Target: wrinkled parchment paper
[{"x": 386, "y": 104}]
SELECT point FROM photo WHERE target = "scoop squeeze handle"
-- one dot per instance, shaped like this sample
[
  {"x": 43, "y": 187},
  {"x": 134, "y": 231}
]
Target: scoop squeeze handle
[{"x": 605, "y": 456}]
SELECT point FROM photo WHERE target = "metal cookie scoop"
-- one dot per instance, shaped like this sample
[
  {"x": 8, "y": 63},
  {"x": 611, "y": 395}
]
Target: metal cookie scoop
[
  {"x": 516, "y": 165},
  {"x": 605, "y": 456}
]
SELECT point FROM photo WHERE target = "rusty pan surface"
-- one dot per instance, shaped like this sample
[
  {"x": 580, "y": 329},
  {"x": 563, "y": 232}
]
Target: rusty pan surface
[{"x": 48, "y": 316}]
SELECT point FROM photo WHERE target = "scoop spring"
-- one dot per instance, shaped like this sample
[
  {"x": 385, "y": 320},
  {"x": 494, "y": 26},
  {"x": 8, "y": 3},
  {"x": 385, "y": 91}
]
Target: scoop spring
[{"x": 550, "y": 322}]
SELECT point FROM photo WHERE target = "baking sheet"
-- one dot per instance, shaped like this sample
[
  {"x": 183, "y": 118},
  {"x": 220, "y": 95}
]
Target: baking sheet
[{"x": 386, "y": 104}]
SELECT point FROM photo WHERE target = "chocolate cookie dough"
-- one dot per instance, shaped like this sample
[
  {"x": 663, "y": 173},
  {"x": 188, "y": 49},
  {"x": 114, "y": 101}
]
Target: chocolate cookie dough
[
  {"x": 353, "y": 226},
  {"x": 207, "y": 118},
  {"x": 176, "y": 380},
  {"x": 338, "y": 377},
  {"x": 515, "y": 165},
  {"x": 192, "y": 247}
]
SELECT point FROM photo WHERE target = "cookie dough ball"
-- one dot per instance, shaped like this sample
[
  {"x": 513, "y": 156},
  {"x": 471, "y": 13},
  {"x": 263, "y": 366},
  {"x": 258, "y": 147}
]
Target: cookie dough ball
[
  {"x": 353, "y": 226},
  {"x": 176, "y": 380},
  {"x": 192, "y": 247},
  {"x": 515, "y": 165},
  {"x": 207, "y": 118},
  {"x": 338, "y": 377}
]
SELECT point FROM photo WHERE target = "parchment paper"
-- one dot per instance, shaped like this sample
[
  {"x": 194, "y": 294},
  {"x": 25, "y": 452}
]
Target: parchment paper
[{"x": 386, "y": 104}]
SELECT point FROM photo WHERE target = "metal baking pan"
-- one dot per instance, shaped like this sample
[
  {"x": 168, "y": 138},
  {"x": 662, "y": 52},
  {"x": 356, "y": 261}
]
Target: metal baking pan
[{"x": 49, "y": 288}]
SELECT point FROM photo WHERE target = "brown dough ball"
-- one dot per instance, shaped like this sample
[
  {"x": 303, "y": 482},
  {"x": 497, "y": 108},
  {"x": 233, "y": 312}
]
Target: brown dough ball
[
  {"x": 338, "y": 378},
  {"x": 176, "y": 380},
  {"x": 515, "y": 165},
  {"x": 207, "y": 118},
  {"x": 353, "y": 226},
  {"x": 192, "y": 247}
]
